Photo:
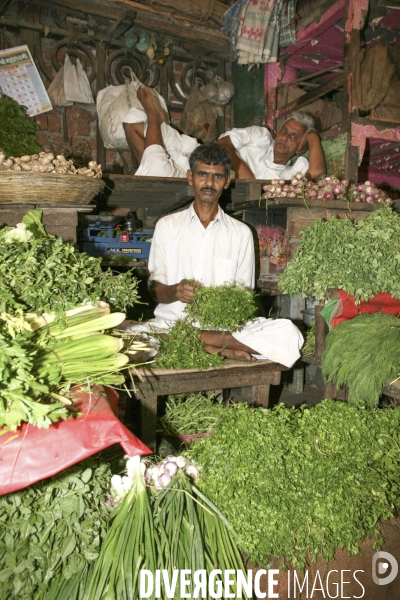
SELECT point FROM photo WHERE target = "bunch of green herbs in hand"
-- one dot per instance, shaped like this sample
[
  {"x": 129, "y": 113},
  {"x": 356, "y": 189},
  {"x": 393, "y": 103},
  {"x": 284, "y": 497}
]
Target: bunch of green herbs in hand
[
  {"x": 361, "y": 257},
  {"x": 299, "y": 483},
  {"x": 225, "y": 307}
]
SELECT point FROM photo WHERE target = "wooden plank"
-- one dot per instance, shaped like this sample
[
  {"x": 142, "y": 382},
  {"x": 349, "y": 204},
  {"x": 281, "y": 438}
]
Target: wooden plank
[
  {"x": 148, "y": 421},
  {"x": 328, "y": 17},
  {"x": 303, "y": 101},
  {"x": 311, "y": 204},
  {"x": 260, "y": 396},
  {"x": 198, "y": 381}
]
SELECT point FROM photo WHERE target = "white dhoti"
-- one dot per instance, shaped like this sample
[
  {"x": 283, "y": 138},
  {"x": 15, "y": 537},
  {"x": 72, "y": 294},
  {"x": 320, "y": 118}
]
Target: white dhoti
[{"x": 169, "y": 161}]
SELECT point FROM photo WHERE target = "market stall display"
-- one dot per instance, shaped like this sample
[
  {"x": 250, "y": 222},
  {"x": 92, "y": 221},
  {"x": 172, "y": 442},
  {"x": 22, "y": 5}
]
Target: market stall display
[
  {"x": 167, "y": 525},
  {"x": 188, "y": 416},
  {"x": 328, "y": 188},
  {"x": 360, "y": 257},
  {"x": 298, "y": 483}
]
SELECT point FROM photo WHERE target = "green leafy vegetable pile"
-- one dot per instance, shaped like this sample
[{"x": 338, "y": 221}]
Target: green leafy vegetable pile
[
  {"x": 222, "y": 307},
  {"x": 52, "y": 531},
  {"x": 41, "y": 273},
  {"x": 360, "y": 257},
  {"x": 299, "y": 481},
  {"x": 363, "y": 353},
  {"x": 195, "y": 414},
  {"x": 181, "y": 348},
  {"x": 16, "y": 129}
]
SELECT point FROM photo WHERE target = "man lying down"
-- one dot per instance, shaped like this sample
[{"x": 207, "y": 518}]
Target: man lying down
[
  {"x": 204, "y": 244},
  {"x": 161, "y": 151}
]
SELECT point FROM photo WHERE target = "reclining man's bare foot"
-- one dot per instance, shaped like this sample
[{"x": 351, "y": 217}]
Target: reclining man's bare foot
[{"x": 146, "y": 99}]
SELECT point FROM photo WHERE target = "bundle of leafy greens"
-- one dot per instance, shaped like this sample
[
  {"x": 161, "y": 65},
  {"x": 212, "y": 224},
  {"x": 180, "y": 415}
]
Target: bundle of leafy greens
[
  {"x": 196, "y": 413},
  {"x": 222, "y": 307},
  {"x": 360, "y": 257},
  {"x": 16, "y": 129},
  {"x": 181, "y": 348},
  {"x": 363, "y": 353},
  {"x": 294, "y": 482},
  {"x": 41, "y": 273},
  {"x": 39, "y": 355},
  {"x": 52, "y": 531}
]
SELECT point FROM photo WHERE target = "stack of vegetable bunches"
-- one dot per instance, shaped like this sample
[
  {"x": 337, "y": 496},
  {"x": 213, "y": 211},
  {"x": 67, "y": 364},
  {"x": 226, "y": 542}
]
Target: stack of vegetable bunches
[
  {"x": 361, "y": 257},
  {"x": 77, "y": 348},
  {"x": 328, "y": 188},
  {"x": 363, "y": 354},
  {"x": 195, "y": 414},
  {"x": 296, "y": 484},
  {"x": 225, "y": 307},
  {"x": 167, "y": 525},
  {"x": 40, "y": 355}
]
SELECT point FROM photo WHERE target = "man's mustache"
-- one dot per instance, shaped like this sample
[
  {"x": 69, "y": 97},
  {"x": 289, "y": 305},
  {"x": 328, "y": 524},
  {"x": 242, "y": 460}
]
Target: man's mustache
[{"x": 211, "y": 189}]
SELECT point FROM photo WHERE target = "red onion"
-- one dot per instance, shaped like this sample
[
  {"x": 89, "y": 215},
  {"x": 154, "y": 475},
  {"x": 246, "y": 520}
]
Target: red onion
[
  {"x": 266, "y": 188},
  {"x": 357, "y": 199},
  {"x": 336, "y": 190},
  {"x": 278, "y": 189},
  {"x": 165, "y": 479},
  {"x": 368, "y": 190},
  {"x": 377, "y": 196},
  {"x": 284, "y": 194},
  {"x": 345, "y": 182},
  {"x": 281, "y": 181},
  {"x": 292, "y": 195},
  {"x": 309, "y": 184},
  {"x": 360, "y": 188},
  {"x": 286, "y": 188},
  {"x": 171, "y": 468},
  {"x": 367, "y": 183},
  {"x": 328, "y": 179},
  {"x": 313, "y": 193},
  {"x": 328, "y": 196},
  {"x": 369, "y": 199}
]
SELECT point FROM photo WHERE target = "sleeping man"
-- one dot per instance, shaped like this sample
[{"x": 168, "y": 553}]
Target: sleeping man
[{"x": 161, "y": 151}]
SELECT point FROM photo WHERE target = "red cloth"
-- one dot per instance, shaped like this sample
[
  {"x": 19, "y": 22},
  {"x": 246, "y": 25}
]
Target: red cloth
[
  {"x": 382, "y": 302},
  {"x": 31, "y": 454}
]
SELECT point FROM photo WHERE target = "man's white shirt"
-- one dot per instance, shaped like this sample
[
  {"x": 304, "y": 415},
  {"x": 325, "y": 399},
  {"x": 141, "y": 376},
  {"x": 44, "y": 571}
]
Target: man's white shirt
[
  {"x": 183, "y": 249},
  {"x": 255, "y": 147}
]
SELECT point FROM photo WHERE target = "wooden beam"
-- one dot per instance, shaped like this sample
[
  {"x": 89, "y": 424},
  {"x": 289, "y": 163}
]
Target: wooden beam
[
  {"x": 303, "y": 101},
  {"x": 312, "y": 75},
  {"x": 163, "y": 22}
]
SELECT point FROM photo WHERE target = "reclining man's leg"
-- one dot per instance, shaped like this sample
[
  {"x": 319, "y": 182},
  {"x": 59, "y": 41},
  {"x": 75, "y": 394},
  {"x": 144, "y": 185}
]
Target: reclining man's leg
[{"x": 135, "y": 137}]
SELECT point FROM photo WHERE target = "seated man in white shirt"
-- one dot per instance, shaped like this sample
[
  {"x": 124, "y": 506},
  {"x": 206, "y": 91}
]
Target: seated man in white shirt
[
  {"x": 205, "y": 244},
  {"x": 161, "y": 151}
]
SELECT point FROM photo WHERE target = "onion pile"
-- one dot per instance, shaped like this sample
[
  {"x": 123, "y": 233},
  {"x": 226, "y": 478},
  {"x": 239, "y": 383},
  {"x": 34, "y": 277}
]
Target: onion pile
[
  {"x": 46, "y": 162},
  {"x": 329, "y": 188},
  {"x": 156, "y": 476}
]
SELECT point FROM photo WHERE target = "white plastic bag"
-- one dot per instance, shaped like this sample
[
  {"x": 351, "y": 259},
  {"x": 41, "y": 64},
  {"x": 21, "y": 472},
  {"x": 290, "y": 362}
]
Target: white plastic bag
[
  {"x": 56, "y": 90},
  {"x": 76, "y": 83},
  {"x": 113, "y": 104}
]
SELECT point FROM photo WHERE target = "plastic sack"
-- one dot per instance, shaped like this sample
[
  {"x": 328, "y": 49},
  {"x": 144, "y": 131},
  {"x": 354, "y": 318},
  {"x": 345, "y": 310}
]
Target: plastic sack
[
  {"x": 199, "y": 117},
  {"x": 32, "y": 454},
  {"x": 76, "y": 83},
  {"x": 56, "y": 90},
  {"x": 114, "y": 103}
]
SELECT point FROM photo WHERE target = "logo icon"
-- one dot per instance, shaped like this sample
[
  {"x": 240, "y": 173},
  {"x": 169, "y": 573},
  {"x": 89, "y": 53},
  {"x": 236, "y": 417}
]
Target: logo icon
[{"x": 385, "y": 564}]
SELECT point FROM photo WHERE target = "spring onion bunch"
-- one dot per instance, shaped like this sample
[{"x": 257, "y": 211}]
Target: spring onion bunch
[
  {"x": 162, "y": 522},
  {"x": 328, "y": 188}
]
